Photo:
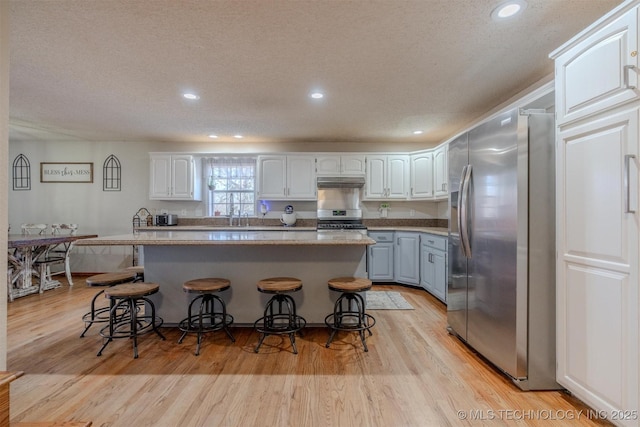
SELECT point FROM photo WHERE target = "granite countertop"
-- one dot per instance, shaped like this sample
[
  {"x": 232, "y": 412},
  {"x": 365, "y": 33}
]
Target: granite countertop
[
  {"x": 231, "y": 237},
  {"x": 440, "y": 231},
  {"x": 223, "y": 228}
]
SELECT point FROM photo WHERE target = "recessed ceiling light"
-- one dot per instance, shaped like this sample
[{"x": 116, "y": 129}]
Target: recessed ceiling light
[
  {"x": 508, "y": 9},
  {"x": 317, "y": 95},
  {"x": 238, "y": 136},
  {"x": 213, "y": 136},
  {"x": 417, "y": 132},
  {"x": 191, "y": 96}
]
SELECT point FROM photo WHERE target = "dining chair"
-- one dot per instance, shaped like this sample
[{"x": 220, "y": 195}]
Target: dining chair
[
  {"x": 34, "y": 228},
  {"x": 58, "y": 254}
]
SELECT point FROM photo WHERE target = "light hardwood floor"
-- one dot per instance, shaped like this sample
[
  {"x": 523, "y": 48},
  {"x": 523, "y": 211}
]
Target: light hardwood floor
[{"x": 414, "y": 374}]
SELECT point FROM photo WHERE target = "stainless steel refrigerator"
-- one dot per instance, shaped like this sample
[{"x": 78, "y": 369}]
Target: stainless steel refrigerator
[{"x": 501, "y": 285}]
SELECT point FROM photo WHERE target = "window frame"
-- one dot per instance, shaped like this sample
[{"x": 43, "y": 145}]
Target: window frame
[{"x": 247, "y": 207}]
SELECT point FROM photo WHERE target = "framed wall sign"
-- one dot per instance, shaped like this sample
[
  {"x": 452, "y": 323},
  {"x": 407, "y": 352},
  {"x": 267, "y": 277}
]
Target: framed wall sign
[{"x": 66, "y": 172}]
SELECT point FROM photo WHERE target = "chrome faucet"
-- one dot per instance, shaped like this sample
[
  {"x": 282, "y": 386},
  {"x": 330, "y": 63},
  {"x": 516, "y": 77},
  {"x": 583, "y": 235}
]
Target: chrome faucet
[
  {"x": 232, "y": 209},
  {"x": 246, "y": 223}
]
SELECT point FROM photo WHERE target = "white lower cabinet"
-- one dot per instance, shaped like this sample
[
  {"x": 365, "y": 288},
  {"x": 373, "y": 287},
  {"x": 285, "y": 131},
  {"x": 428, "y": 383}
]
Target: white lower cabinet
[
  {"x": 597, "y": 266},
  {"x": 433, "y": 265},
  {"x": 380, "y": 257},
  {"x": 407, "y": 258}
]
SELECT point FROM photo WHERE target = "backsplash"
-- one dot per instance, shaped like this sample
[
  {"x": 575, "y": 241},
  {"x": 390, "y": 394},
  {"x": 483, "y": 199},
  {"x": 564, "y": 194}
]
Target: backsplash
[{"x": 303, "y": 222}]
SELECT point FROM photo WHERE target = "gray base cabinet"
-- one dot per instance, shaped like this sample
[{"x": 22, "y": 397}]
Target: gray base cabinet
[
  {"x": 407, "y": 258},
  {"x": 410, "y": 258},
  {"x": 380, "y": 257},
  {"x": 433, "y": 265}
]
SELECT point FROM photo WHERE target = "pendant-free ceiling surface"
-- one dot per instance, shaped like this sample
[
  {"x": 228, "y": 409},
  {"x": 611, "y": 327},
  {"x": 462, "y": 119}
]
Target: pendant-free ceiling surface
[{"x": 117, "y": 69}]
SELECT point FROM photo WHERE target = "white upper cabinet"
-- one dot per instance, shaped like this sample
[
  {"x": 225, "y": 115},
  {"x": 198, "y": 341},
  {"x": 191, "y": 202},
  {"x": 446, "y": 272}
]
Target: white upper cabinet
[
  {"x": 440, "y": 172},
  {"x": 286, "y": 178},
  {"x": 353, "y": 164},
  {"x": 422, "y": 175},
  {"x": 336, "y": 165},
  {"x": 301, "y": 178},
  {"x": 174, "y": 177},
  {"x": 429, "y": 174},
  {"x": 599, "y": 72},
  {"x": 272, "y": 177},
  {"x": 328, "y": 165},
  {"x": 387, "y": 177}
]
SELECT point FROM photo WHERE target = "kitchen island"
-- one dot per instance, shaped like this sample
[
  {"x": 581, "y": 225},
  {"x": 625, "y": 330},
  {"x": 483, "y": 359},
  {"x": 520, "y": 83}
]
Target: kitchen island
[{"x": 244, "y": 257}]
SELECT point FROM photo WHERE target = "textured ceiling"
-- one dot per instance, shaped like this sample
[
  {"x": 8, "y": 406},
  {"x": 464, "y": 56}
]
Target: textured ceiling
[{"x": 114, "y": 70}]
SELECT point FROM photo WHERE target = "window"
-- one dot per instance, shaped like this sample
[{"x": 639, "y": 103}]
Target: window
[
  {"x": 231, "y": 186},
  {"x": 21, "y": 173},
  {"x": 111, "y": 174}
]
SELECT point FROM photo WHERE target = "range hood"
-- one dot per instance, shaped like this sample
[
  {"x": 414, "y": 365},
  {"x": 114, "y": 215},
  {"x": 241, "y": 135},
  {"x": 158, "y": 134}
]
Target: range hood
[{"x": 340, "y": 182}]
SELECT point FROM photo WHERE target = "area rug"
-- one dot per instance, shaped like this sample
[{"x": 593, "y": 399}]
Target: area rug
[{"x": 386, "y": 300}]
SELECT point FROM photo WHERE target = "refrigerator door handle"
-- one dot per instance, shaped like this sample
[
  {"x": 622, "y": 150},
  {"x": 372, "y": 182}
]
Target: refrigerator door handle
[
  {"x": 459, "y": 211},
  {"x": 463, "y": 210}
]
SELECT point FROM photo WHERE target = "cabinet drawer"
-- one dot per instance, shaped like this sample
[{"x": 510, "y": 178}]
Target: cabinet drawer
[
  {"x": 382, "y": 237},
  {"x": 435, "y": 241}
]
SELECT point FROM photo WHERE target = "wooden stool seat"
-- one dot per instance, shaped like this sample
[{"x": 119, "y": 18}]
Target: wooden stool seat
[
  {"x": 132, "y": 290},
  {"x": 126, "y": 316},
  {"x": 52, "y": 424},
  {"x": 138, "y": 269},
  {"x": 110, "y": 279},
  {"x": 349, "y": 284},
  {"x": 209, "y": 284},
  {"x": 279, "y": 284}
]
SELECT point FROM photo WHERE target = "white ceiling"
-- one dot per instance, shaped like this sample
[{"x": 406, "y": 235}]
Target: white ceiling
[{"x": 114, "y": 70}]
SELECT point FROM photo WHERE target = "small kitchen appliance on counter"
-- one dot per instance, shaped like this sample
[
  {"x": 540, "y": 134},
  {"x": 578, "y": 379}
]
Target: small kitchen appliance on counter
[
  {"x": 288, "y": 218},
  {"x": 165, "y": 220}
]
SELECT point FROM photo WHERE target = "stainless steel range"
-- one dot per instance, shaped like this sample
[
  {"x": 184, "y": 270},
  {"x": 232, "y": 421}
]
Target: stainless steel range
[{"x": 339, "y": 204}]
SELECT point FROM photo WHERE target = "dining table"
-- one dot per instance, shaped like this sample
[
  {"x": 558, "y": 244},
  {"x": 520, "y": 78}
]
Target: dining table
[{"x": 24, "y": 251}]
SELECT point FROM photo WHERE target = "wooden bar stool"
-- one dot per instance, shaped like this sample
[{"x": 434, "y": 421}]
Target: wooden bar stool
[
  {"x": 101, "y": 314},
  {"x": 138, "y": 270},
  {"x": 353, "y": 318},
  {"x": 280, "y": 317},
  {"x": 207, "y": 318},
  {"x": 127, "y": 296}
]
